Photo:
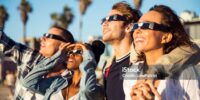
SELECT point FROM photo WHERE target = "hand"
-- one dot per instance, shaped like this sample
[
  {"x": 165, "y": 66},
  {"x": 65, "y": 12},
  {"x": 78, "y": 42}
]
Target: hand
[
  {"x": 141, "y": 91},
  {"x": 64, "y": 47},
  {"x": 144, "y": 90},
  {"x": 153, "y": 89},
  {"x": 83, "y": 46}
]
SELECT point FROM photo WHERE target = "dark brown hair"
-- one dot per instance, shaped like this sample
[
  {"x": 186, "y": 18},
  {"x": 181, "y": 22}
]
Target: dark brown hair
[
  {"x": 97, "y": 47},
  {"x": 131, "y": 14},
  {"x": 170, "y": 19},
  {"x": 67, "y": 35}
]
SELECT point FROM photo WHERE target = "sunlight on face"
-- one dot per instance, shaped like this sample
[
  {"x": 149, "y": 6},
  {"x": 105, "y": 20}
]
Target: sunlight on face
[
  {"x": 74, "y": 58},
  {"x": 48, "y": 46},
  {"x": 145, "y": 39},
  {"x": 112, "y": 29}
]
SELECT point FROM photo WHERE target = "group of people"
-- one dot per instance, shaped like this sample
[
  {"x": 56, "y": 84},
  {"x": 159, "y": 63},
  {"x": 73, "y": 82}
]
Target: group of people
[{"x": 153, "y": 59}]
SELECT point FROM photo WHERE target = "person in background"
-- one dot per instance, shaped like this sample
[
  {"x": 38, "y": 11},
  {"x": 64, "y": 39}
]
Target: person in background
[
  {"x": 167, "y": 53},
  {"x": 116, "y": 27},
  {"x": 10, "y": 82}
]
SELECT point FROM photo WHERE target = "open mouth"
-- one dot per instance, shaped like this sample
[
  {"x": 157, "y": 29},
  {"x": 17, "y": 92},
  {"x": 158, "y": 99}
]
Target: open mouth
[
  {"x": 139, "y": 39},
  {"x": 70, "y": 60}
]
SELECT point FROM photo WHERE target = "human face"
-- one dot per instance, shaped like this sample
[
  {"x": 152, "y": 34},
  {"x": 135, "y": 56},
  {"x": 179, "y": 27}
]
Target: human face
[
  {"x": 49, "y": 46},
  {"x": 74, "y": 58},
  {"x": 148, "y": 39},
  {"x": 113, "y": 30}
]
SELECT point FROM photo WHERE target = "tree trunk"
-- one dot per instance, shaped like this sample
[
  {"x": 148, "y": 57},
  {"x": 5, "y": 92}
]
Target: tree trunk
[
  {"x": 80, "y": 27},
  {"x": 24, "y": 34}
]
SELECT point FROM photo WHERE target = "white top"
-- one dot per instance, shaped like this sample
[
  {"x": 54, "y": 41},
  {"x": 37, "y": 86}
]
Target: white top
[
  {"x": 59, "y": 96},
  {"x": 170, "y": 89}
]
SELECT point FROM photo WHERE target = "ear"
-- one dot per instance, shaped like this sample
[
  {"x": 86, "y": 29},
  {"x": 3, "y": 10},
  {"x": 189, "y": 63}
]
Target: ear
[
  {"x": 167, "y": 37},
  {"x": 128, "y": 28}
]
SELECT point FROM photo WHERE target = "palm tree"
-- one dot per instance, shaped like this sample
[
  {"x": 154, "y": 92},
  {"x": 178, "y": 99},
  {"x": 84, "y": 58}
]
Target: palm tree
[
  {"x": 24, "y": 8},
  {"x": 137, "y": 3},
  {"x": 55, "y": 18},
  {"x": 82, "y": 7},
  {"x": 3, "y": 16},
  {"x": 67, "y": 16},
  {"x": 64, "y": 19}
]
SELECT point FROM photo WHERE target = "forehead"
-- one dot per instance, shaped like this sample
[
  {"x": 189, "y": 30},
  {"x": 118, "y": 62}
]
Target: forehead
[
  {"x": 55, "y": 31},
  {"x": 151, "y": 16},
  {"x": 113, "y": 12},
  {"x": 76, "y": 47}
]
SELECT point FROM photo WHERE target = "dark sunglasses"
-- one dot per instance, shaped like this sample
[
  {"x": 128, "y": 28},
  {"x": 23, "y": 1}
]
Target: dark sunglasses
[
  {"x": 52, "y": 36},
  {"x": 75, "y": 52},
  {"x": 114, "y": 18},
  {"x": 151, "y": 26}
]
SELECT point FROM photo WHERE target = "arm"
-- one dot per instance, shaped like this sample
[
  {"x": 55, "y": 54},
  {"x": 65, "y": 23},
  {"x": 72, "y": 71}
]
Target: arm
[
  {"x": 188, "y": 85},
  {"x": 19, "y": 53},
  {"x": 88, "y": 84},
  {"x": 34, "y": 79}
]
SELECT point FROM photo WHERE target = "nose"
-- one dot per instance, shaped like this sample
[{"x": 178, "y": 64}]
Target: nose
[
  {"x": 42, "y": 38},
  {"x": 105, "y": 23},
  {"x": 137, "y": 31}
]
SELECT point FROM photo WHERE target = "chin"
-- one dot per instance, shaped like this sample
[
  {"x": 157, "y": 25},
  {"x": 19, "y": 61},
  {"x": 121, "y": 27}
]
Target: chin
[
  {"x": 43, "y": 54},
  {"x": 139, "y": 49},
  {"x": 105, "y": 39},
  {"x": 70, "y": 66}
]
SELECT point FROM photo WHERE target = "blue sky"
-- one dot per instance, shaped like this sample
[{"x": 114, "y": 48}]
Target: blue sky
[{"x": 40, "y": 21}]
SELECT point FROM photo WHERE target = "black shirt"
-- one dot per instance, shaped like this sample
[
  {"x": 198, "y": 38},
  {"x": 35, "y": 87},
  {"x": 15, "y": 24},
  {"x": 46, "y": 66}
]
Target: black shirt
[{"x": 114, "y": 80}]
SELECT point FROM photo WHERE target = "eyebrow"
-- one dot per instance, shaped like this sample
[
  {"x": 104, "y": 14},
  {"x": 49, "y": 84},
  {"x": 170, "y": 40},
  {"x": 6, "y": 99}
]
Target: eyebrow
[{"x": 149, "y": 22}]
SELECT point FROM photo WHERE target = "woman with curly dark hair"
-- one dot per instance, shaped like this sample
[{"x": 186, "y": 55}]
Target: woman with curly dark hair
[{"x": 166, "y": 52}]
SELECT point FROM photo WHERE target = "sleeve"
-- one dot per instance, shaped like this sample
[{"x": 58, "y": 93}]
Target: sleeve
[
  {"x": 185, "y": 88},
  {"x": 34, "y": 79},
  {"x": 89, "y": 89},
  {"x": 189, "y": 81},
  {"x": 19, "y": 53}
]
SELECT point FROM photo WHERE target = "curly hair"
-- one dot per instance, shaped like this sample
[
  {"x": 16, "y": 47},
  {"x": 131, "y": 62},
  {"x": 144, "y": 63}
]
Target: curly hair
[{"x": 170, "y": 19}]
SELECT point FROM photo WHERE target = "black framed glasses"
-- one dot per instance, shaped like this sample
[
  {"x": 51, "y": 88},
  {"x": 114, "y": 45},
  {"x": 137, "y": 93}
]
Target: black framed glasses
[
  {"x": 75, "y": 52},
  {"x": 52, "y": 36},
  {"x": 114, "y": 18},
  {"x": 151, "y": 26}
]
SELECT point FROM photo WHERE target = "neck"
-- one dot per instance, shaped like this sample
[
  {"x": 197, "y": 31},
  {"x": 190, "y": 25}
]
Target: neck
[
  {"x": 121, "y": 47},
  {"x": 153, "y": 56},
  {"x": 76, "y": 78}
]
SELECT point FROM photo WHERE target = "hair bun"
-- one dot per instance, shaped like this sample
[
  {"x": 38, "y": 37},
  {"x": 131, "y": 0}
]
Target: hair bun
[{"x": 97, "y": 47}]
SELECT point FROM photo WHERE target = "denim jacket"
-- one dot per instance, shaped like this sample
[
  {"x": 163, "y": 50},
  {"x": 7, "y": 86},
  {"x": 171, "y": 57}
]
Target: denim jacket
[
  {"x": 89, "y": 90},
  {"x": 36, "y": 82}
]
